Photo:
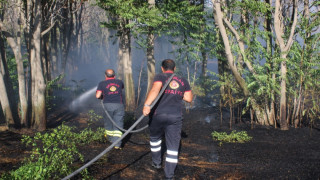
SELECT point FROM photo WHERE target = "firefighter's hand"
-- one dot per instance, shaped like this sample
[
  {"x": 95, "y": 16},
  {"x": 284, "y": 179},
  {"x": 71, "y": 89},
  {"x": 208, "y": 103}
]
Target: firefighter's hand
[
  {"x": 101, "y": 97},
  {"x": 146, "y": 110}
]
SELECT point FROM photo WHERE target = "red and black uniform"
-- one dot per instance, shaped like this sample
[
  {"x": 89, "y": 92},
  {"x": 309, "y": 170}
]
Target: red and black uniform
[
  {"x": 111, "y": 90},
  {"x": 166, "y": 118}
]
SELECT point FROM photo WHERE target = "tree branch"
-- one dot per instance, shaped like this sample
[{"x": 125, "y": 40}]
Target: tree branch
[
  {"x": 295, "y": 19},
  {"x": 241, "y": 45}
]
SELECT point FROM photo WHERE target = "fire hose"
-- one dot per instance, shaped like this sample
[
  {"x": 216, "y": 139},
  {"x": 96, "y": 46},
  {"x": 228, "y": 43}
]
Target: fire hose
[
  {"x": 115, "y": 124},
  {"x": 123, "y": 135}
]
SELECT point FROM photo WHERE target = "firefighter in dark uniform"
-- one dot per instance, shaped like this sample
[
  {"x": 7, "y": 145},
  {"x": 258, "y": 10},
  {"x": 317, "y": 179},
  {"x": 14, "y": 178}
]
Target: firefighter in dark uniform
[
  {"x": 166, "y": 116},
  {"x": 111, "y": 91}
]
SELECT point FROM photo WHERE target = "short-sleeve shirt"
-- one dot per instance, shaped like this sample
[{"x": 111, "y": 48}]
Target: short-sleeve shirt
[
  {"x": 111, "y": 90},
  {"x": 171, "y": 100}
]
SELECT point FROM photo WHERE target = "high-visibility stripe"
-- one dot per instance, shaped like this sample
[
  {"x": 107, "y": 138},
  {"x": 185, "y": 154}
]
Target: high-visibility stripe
[
  {"x": 155, "y": 143},
  {"x": 115, "y": 133},
  {"x": 174, "y": 153},
  {"x": 171, "y": 160},
  {"x": 109, "y": 133},
  {"x": 156, "y": 149}
]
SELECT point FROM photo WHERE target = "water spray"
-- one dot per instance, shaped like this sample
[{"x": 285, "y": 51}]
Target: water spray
[
  {"x": 81, "y": 99},
  {"x": 123, "y": 135}
]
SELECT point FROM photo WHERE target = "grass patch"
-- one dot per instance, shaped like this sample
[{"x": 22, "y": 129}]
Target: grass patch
[{"x": 233, "y": 137}]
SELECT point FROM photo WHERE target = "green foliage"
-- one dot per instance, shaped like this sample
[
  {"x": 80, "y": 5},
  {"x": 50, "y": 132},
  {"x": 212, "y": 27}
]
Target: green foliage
[
  {"x": 198, "y": 90},
  {"x": 12, "y": 68},
  {"x": 93, "y": 117},
  {"x": 191, "y": 33},
  {"x": 50, "y": 85},
  {"x": 233, "y": 137},
  {"x": 53, "y": 153}
]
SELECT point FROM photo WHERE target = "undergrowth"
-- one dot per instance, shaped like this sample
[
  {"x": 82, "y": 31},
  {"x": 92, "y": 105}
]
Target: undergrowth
[
  {"x": 53, "y": 153},
  {"x": 233, "y": 137}
]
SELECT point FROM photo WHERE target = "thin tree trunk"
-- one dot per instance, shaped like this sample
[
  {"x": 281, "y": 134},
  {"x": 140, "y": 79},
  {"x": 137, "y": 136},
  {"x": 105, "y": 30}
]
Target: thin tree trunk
[
  {"x": 202, "y": 48},
  {"x": 271, "y": 74},
  {"x": 151, "y": 62},
  {"x": 54, "y": 59},
  {"x": 16, "y": 48},
  {"x": 67, "y": 35}
]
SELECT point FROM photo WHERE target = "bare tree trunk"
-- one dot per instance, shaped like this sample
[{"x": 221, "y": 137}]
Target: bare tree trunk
[
  {"x": 45, "y": 57},
  {"x": 283, "y": 98},
  {"x": 67, "y": 33},
  {"x": 120, "y": 56},
  {"x": 39, "y": 119},
  {"x": 53, "y": 64},
  {"x": 284, "y": 48},
  {"x": 271, "y": 74},
  {"x": 120, "y": 61},
  {"x": 14, "y": 41},
  {"x": 125, "y": 48},
  {"x": 16, "y": 48},
  {"x": 151, "y": 62},
  {"x": 202, "y": 48},
  {"x": 4, "y": 100}
]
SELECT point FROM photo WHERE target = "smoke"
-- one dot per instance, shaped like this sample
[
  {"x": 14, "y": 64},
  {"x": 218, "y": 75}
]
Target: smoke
[
  {"x": 98, "y": 51},
  {"x": 83, "y": 100}
]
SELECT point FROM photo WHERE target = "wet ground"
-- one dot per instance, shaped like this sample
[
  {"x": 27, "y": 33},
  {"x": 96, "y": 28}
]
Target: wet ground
[{"x": 271, "y": 154}]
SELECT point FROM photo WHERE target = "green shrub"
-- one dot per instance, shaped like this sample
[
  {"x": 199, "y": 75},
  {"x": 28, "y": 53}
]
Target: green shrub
[
  {"x": 233, "y": 137},
  {"x": 53, "y": 153}
]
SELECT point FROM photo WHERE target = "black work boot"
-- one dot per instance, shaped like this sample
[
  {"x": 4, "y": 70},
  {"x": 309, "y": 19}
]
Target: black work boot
[{"x": 157, "y": 166}]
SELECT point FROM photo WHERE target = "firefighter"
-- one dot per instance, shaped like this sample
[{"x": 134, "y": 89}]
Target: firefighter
[
  {"x": 110, "y": 90},
  {"x": 166, "y": 116}
]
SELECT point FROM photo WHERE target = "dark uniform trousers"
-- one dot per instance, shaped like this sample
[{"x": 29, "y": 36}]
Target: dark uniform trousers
[
  {"x": 170, "y": 125},
  {"x": 116, "y": 111}
]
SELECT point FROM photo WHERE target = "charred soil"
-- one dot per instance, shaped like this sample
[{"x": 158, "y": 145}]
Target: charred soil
[{"x": 271, "y": 154}]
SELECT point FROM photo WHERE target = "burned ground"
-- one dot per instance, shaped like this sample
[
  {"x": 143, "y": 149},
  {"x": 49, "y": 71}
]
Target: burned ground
[{"x": 271, "y": 154}]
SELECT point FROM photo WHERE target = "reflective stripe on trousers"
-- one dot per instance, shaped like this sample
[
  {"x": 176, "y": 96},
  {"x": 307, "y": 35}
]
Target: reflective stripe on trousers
[
  {"x": 116, "y": 111},
  {"x": 115, "y": 133},
  {"x": 170, "y": 126}
]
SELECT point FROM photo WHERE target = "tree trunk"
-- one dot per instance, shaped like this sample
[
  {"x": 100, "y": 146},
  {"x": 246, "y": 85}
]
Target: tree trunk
[
  {"x": 218, "y": 16},
  {"x": 67, "y": 34},
  {"x": 270, "y": 104},
  {"x": 54, "y": 50},
  {"x": 284, "y": 48},
  {"x": 283, "y": 98},
  {"x": 16, "y": 48},
  {"x": 202, "y": 48},
  {"x": 125, "y": 51},
  {"x": 39, "y": 86},
  {"x": 13, "y": 114},
  {"x": 4, "y": 101},
  {"x": 151, "y": 62}
]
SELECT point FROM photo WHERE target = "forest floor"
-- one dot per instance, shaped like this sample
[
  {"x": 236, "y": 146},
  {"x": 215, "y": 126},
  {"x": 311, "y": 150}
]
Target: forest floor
[{"x": 271, "y": 154}]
